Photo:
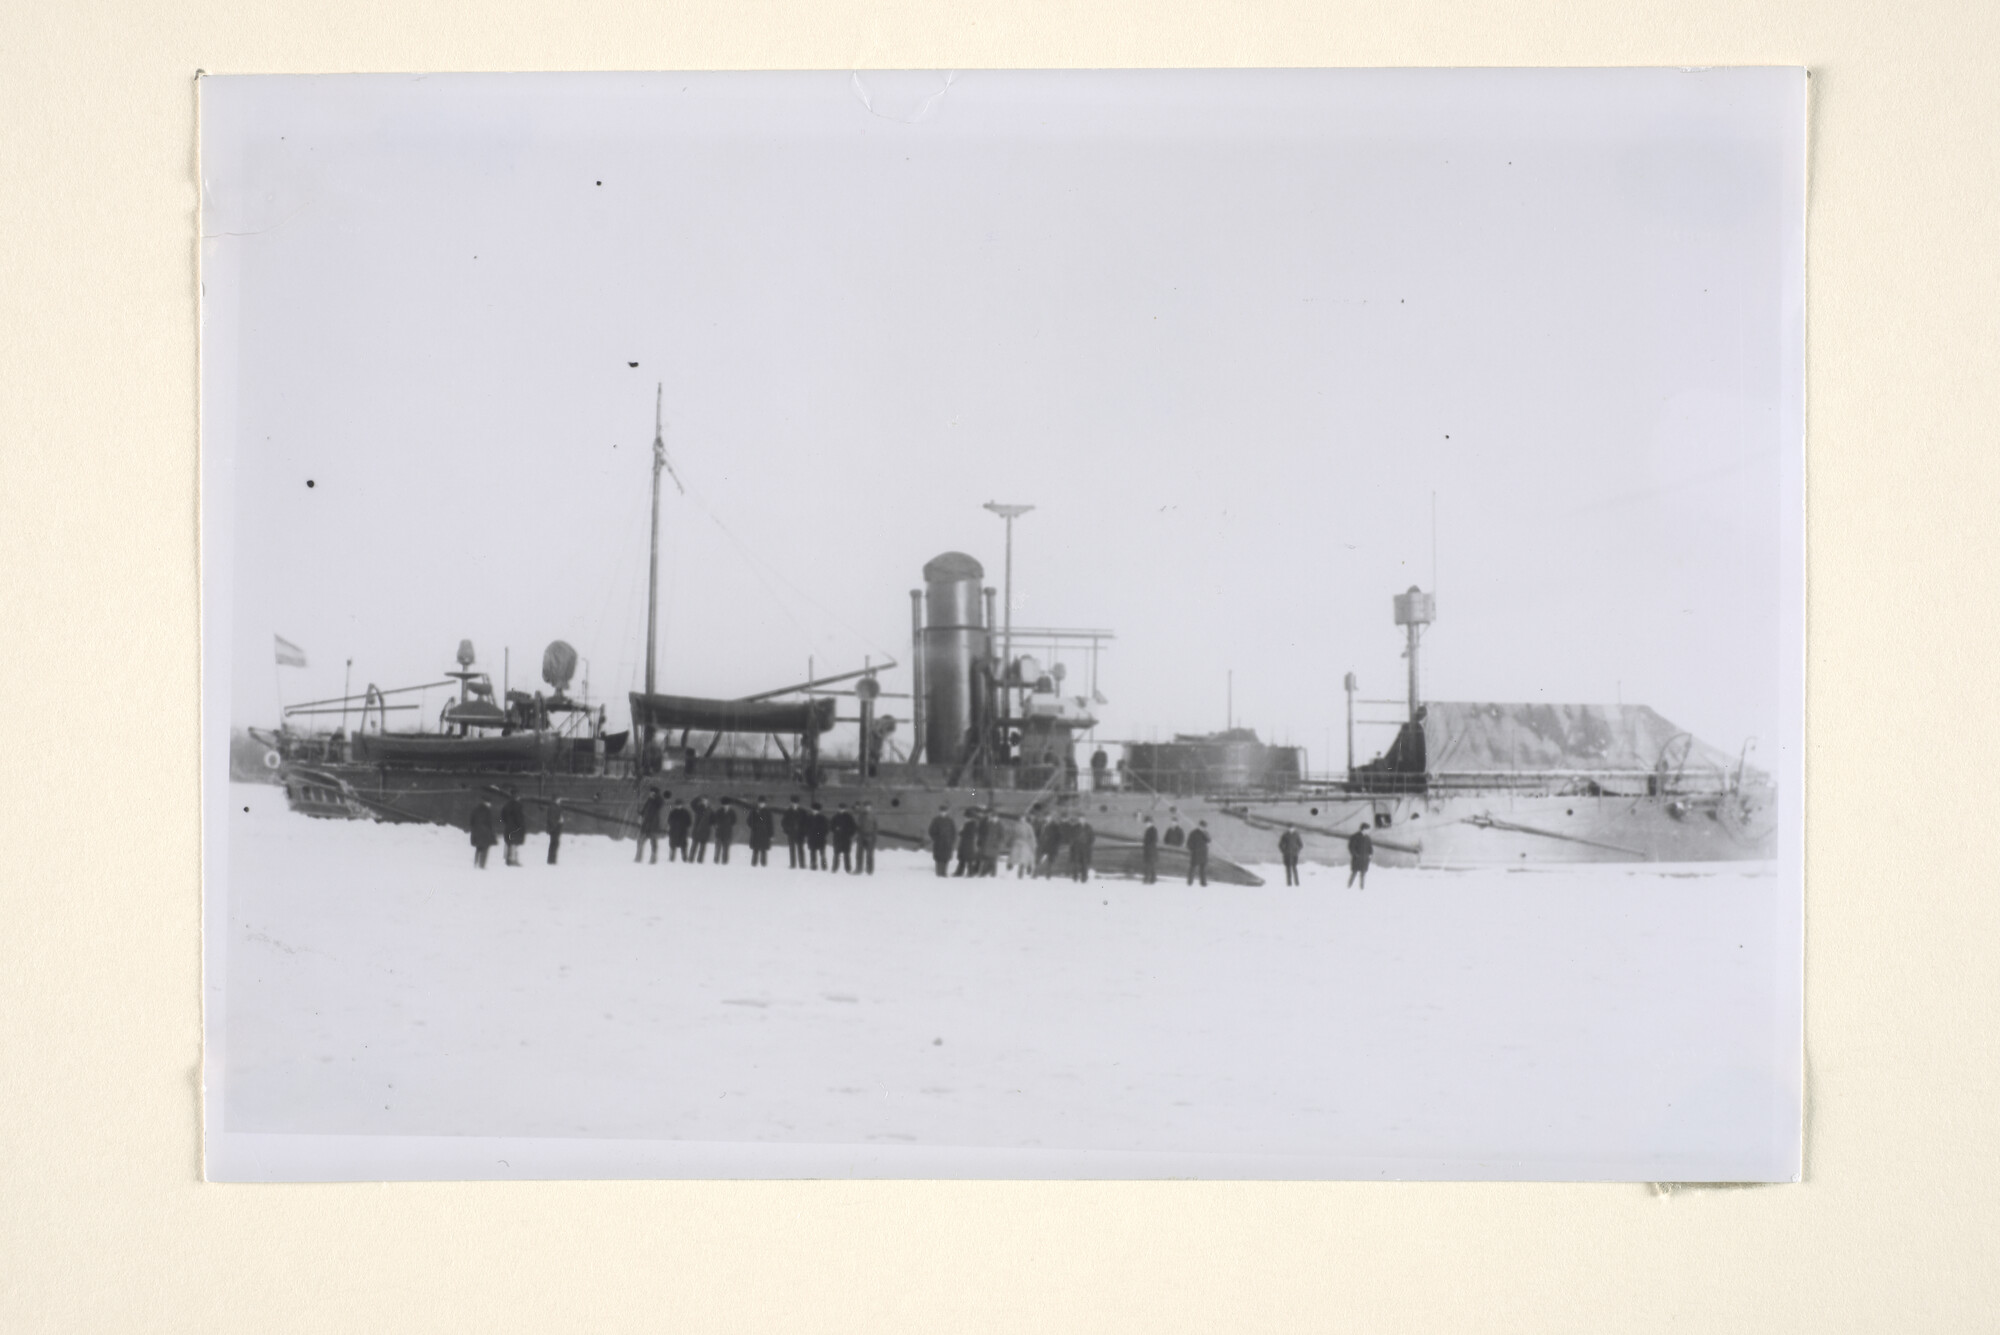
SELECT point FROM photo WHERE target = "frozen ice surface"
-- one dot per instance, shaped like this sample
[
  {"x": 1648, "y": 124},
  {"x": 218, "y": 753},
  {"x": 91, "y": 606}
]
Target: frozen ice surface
[{"x": 1608, "y": 1021}]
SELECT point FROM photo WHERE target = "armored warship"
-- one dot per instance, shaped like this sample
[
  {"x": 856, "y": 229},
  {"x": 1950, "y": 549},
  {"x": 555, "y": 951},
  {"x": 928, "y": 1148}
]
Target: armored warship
[{"x": 990, "y": 727}]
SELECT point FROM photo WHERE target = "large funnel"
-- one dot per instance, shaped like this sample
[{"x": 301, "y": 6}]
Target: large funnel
[{"x": 954, "y": 641}]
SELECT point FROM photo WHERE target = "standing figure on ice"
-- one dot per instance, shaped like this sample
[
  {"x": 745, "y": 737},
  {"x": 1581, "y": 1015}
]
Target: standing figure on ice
[
  {"x": 1289, "y": 844},
  {"x": 725, "y": 829},
  {"x": 1197, "y": 853},
  {"x": 555, "y": 823},
  {"x": 1360, "y": 851},
  {"x": 514, "y": 825},
  {"x": 843, "y": 830},
  {"x": 679, "y": 821},
  {"x": 866, "y": 831},
  {"x": 649, "y": 825},
  {"x": 990, "y": 836},
  {"x": 943, "y": 835},
  {"x": 793, "y": 823},
  {"x": 1149, "y": 852},
  {"x": 816, "y": 829},
  {"x": 1082, "y": 842},
  {"x": 704, "y": 826},
  {"x": 968, "y": 846},
  {"x": 482, "y": 833},
  {"x": 760, "y": 834},
  {"x": 1021, "y": 849},
  {"x": 1054, "y": 831}
]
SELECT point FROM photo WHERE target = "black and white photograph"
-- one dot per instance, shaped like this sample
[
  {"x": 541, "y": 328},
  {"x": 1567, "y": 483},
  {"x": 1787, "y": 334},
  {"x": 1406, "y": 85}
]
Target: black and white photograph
[{"x": 996, "y": 624}]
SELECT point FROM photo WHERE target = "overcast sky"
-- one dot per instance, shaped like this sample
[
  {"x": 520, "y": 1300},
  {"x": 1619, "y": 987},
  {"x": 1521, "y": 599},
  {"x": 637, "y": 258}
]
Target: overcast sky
[{"x": 1229, "y": 333}]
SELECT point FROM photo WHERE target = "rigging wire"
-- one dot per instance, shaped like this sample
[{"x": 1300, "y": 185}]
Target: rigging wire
[{"x": 767, "y": 574}]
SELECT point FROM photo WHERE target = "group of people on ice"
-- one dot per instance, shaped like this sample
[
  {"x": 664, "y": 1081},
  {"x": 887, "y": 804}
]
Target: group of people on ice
[
  {"x": 1039, "y": 844},
  {"x": 1046, "y": 844},
  {"x": 512, "y": 829},
  {"x": 692, "y": 829}
]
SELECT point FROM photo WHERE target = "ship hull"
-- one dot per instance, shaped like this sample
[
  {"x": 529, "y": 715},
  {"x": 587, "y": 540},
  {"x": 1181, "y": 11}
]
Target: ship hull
[{"x": 1458, "y": 829}]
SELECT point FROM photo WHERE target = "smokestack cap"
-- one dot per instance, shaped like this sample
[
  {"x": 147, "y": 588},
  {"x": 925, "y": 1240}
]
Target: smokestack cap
[{"x": 952, "y": 567}]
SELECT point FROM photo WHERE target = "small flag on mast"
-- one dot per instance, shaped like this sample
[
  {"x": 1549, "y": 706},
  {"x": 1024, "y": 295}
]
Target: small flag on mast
[{"x": 289, "y": 654}]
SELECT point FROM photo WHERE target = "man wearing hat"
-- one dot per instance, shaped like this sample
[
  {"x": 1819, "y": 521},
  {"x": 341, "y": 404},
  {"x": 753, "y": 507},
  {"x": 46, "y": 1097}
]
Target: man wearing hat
[
  {"x": 514, "y": 826},
  {"x": 649, "y": 825},
  {"x": 866, "y": 830},
  {"x": 555, "y": 823},
  {"x": 1197, "y": 853},
  {"x": 793, "y": 823},
  {"x": 760, "y": 834},
  {"x": 817, "y": 826},
  {"x": 482, "y": 833},
  {"x": 944, "y": 835},
  {"x": 1360, "y": 852},
  {"x": 725, "y": 828},
  {"x": 1289, "y": 844}
]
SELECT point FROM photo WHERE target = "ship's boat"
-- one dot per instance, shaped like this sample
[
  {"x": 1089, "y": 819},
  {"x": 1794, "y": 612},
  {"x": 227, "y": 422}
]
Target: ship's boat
[
  {"x": 435, "y": 750},
  {"x": 687, "y": 713}
]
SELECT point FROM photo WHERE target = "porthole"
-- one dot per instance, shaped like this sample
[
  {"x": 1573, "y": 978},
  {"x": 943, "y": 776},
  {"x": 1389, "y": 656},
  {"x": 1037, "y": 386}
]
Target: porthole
[
  {"x": 1102, "y": 807},
  {"x": 1315, "y": 811},
  {"x": 895, "y": 801},
  {"x": 1569, "y": 811}
]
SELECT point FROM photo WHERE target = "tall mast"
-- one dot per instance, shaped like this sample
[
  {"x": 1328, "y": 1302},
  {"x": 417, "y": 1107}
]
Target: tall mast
[
  {"x": 653, "y": 560},
  {"x": 653, "y": 576}
]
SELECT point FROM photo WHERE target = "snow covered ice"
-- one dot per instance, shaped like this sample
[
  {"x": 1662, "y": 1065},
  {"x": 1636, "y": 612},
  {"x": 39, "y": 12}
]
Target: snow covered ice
[{"x": 1607, "y": 1021}]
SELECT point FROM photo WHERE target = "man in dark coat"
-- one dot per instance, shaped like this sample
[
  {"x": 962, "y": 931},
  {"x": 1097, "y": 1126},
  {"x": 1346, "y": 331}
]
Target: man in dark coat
[
  {"x": 761, "y": 824},
  {"x": 990, "y": 835},
  {"x": 514, "y": 826},
  {"x": 793, "y": 823},
  {"x": 1197, "y": 853},
  {"x": 866, "y": 831},
  {"x": 1060, "y": 830},
  {"x": 843, "y": 828},
  {"x": 704, "y": 826},
  {"x": 725, "y": 829},
  {"x": 817, "y": 826},
  {"x": 1149, "y": 852},
  {"x": 1289, "y": 844},
  {"x": 1175, "y": 836},
  {"x": 1360, "y": 852},
  {"x": 679, "y": 821},
  {"x": 649, "y": 825},
  {"x": 555, "y": 824},
  {"x": 943, "y": 835},
  {"x": 968, "y": 846},
  {"x": 1048, "y": 840},
  {"x": 482, "y": 833},
  {"x": 1082, "y": 841}
]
